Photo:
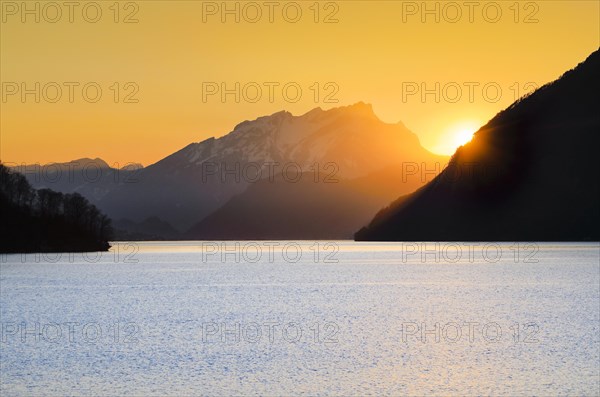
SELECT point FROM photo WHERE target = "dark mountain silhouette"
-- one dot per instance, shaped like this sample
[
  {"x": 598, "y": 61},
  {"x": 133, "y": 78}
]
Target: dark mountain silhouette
[
  {"x": 305, "y": 209},
  {"x": 48, "y": 221},
  {"x": 531, "y": 173}
]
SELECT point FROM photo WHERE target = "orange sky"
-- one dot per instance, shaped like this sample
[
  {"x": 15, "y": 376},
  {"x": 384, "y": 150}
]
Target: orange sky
[{"x": 379, "y": 52}]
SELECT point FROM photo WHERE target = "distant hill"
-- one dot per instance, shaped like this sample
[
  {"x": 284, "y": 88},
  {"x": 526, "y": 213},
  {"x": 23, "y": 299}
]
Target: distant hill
[
  {"x": 149, "y": 229},
  {"x": 305, "y": 209},
  {"x": 283, "y": 210},
  {"x": 531, "y": 173},
  {"x": 47, "y": 221},
  {"x": 92, "y": 178}
]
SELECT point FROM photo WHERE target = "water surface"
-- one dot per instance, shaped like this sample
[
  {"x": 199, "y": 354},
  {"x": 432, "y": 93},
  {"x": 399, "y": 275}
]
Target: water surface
[{"x": 313, "y": 318}]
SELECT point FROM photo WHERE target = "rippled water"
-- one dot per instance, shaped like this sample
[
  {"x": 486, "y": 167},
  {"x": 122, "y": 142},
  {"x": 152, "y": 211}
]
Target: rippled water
[{"x": 312, "y": 318}]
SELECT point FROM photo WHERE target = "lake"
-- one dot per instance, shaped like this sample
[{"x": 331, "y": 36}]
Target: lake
[{"x": 303, "y": 318}]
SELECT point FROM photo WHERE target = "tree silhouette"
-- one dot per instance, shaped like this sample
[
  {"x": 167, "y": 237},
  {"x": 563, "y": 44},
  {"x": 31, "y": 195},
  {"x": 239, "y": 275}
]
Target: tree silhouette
[{"x": 48, "y": 221}]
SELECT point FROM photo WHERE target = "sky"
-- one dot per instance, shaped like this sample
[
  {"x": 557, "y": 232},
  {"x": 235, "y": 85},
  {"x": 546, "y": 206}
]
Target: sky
[{"x": 136, "y": 81}]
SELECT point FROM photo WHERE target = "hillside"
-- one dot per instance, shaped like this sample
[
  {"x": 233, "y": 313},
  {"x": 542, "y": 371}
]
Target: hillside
[
  {"x": 531, "y": 173},
  {"x": 283, "y": 210}
]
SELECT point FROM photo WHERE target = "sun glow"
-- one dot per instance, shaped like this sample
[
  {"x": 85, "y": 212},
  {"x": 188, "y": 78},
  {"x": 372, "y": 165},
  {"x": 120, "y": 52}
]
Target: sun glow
[
  {"x": 457, "y": 135},
  {"x": 463, "y": 136}
]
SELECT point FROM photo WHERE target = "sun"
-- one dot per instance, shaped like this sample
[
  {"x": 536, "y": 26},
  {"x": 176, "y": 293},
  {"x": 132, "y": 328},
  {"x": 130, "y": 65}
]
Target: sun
[
  {"x": 456, "y": 135},
  {"x": 461, "y": 133},
  {"x": 463, "y": 136}
]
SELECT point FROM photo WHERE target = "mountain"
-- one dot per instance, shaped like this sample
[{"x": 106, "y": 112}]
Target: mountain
[
  {"x": 279, "y": 209},
  {"x": 352, "y": 149},
  {"x": 187, "y": 186},
  {"x": 132, "y": 167},
  {"x": 79, "y": 164},
  {"x": 530, "y": 174},
  {"x": 92, "y": 178},
  {"x": 308, "y": 208}
]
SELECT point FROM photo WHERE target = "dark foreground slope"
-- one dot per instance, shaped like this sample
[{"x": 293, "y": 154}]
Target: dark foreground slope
[
  {"x": 531, "y": 173},
  {"x": 47, "y": 221}
]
